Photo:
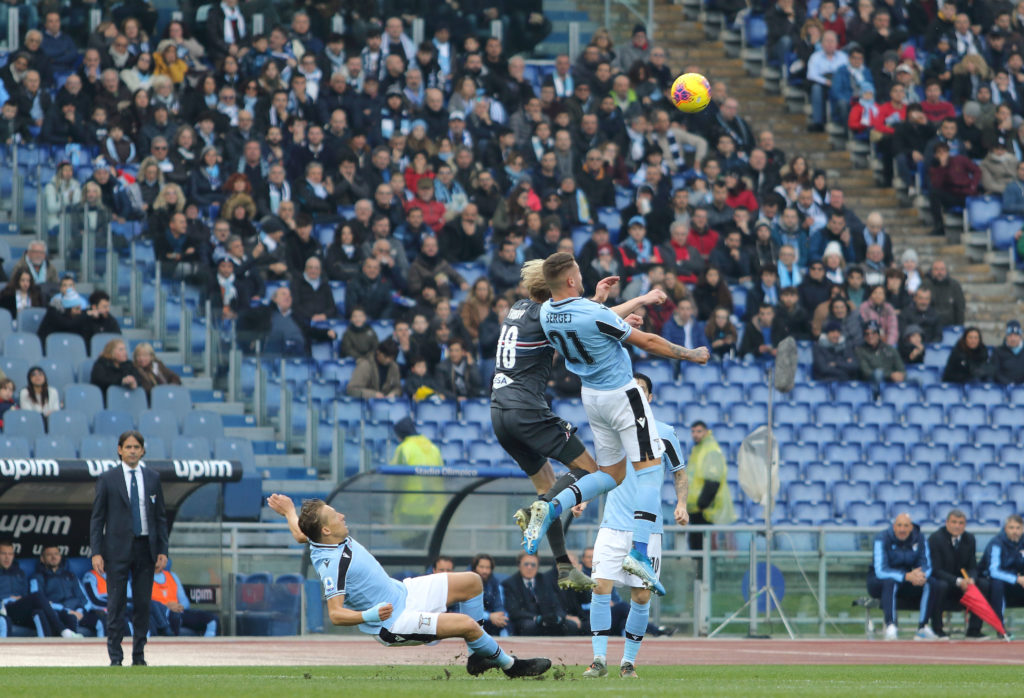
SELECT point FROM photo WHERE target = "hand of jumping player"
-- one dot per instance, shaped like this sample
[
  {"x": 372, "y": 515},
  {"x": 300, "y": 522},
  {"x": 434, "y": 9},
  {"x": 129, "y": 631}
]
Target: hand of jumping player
[
  {"x": 655, "y": 297},
  {"x": 700, "y": 355},
  {"x": 282, "y": 504},
  {"x": 604, "y": 288},
  {"x": 682, "y": 516},
  {"x": 634, "y": 320},
  {"x": 578, "y": 510}
]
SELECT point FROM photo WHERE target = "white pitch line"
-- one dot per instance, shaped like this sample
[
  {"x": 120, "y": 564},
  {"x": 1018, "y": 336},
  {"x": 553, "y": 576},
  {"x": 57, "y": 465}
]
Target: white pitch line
[{"x": 894, "y": 658}]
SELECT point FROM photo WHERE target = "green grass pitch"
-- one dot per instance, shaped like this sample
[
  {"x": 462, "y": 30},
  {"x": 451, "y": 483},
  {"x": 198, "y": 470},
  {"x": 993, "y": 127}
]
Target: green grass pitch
[{"x": 448, "y": 681}]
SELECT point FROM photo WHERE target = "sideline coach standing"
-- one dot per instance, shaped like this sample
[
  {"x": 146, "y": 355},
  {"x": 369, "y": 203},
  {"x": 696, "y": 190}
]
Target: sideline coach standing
[{"x": 128, "y": 534}]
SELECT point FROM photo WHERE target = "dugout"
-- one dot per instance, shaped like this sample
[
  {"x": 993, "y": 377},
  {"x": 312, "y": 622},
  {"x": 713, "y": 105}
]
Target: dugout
[{"x": 408, "y": 515}]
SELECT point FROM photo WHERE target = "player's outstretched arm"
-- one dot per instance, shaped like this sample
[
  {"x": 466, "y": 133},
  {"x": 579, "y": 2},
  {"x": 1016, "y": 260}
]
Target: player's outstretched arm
[
  {"x": 340, "y": 615},
  {"x": 659, "y": 346},
  {"x": 284, "y": 506},
  {"x": 653, "y": 297},
  {"x": 681, "y": 481}
]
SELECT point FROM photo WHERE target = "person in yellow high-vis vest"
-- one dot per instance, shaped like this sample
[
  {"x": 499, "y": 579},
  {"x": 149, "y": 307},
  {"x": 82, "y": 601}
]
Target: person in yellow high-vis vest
[
  {"x": 415, "y": 506},
  {"x": 709, "y": 499}
]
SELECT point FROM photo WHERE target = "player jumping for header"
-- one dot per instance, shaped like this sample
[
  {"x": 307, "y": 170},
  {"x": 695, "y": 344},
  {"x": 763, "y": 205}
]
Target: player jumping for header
[
  {"x": 524, "y": 424},
  {"x": 412, "y": 612},
  {"x": 590, "y": 337}
]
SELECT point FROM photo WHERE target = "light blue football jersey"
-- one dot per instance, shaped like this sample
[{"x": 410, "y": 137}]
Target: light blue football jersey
[
  {"x": 589, "y": 336},
  {"x": 348, "y": 568},
  {"x": 621, "y": 502}
]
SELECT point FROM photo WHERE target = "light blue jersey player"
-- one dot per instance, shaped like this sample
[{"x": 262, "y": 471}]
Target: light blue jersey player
[
  {"x": 590, "y": 337},
  {"x": 411, "y": 612},
  {"x": 613, "y": 545}
]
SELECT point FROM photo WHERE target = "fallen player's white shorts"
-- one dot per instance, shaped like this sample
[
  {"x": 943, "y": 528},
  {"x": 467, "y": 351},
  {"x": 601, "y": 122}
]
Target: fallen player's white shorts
[
  {"x": 623, "y": 425},
  {"x": 426, "y": 600},
  {"x": 611, "y": 548}
]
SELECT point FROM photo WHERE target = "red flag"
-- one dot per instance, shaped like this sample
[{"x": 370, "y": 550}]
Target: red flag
[{"x": 974, "y": 602}]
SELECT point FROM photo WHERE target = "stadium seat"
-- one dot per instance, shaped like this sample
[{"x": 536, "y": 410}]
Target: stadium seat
[
  {"x": 29, "y": 319},
  {"x": 156, "y": 447},
  {"x": 885, "y": 453},
  {"x": 810, "y": 393},
  {"x": 900, "y": 395},
  {"x": 841, "y": 453},
  {"x": 750, "y": 415},
  {"x": 938, "y": 492},
  {"x": 1001, "y": 473},
  {"x": 951, "y": 436},
  {"x": 953, "y": 472},
  {"x": 84, "y": 370},
  {"x": 994, "y": 436},
  {"x": 968, "y": 415},
  {"x": 190, "y": 448},
  {"x": 929, "y": 454},
  {"x": 944, "y": 394},
  {"x": 941, "y": 510},
  {"x": 908, "y": 435},
  {"x": 744, "y": 374},
  {"x": 24, "y": 423},
  {"x": 853, "y": 393},
  {"x": 987, "y": 394},
  {"x": 976, "y": 455},
  {"x": 66, "y": 346},
  {"x": 1003, "y": 231},
  {"x": 761, "y": 393},
  {"x": 84, "y": 398},
  {"x": 812, "y": 513},
  {"x": 570, "y": 410},
  {"x": 799, "y": 453},
  {"x": 829, "y": 473},
  {"x": 659, "y": 371},
  {"x": 919, "y": 512},
  {"x": 709, "y": 414},
  {"x": 868, "y": 472},
  {"x": 890, "y": 492},
  {"x": 15, "y": 368},
  {"x": 880, "y": 415},
  {"x": 113, "y": 422},
  {"x": 348, "y": 412},
  {"x": 130, "y": 400},
  {"x": 69, "y": 424},
  {"x": 437, "y": 411},
  {"x": 846, "y": 493},
  {"x": 59, "y": 373},
  {"x": 463, "y": 432},
  {"x": 909, "y": 472},
  {"x": 6, "y": 321},
  {"x": 485, "y": 453},
  {"x": 700, "y": 376},
  {"x": 789, "y": 472},
  {"x": 724, "y": 394},
  {"x": 174, "y": 398},
  {"x": 838, "y": 414},
  {"x": 452, "y": 451},
  {"x": 1011, "y": 454},
  {"x": 1015, "y": 492},
  {"x": 22, "y": 345},
  {"x": 862, "y": 434},
  {"x": 680, "y": 393},
  {"x": 982, "y": 210},
  {"x": 205, "y": 423},
  {"x": 390, "y": 410},
  {"x": 924, "y": 416},
  {"x": 817, "y": 433},
  {"x": 98, "y": 446},
  {"x": 226, "y": 448},
  {"x": 866, "y": 513},
  {"x": 994, "y": 513},
  {"x": 1008, "y": 415},
  {"x": 99, "y": 340},
  {"x": 15, "y": 447},
  {"x": 936, "y": 356},
  {"x": 54, "y": 447},
  {"x": 793, "y": 414},
  {"x": 731, "y": 436}
]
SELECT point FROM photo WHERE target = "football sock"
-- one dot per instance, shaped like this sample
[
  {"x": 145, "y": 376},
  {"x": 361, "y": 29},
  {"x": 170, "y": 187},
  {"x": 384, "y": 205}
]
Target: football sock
[
  {"x": 474, "y": 608},
  {"x": 567, "y": 480},
  {"x": 648, "y": 504},
  {"x": 211, "y": 629},
  {"x": 584, "y": 489},
  {"x": 556, "y": 539},
  {"x": 636, "y": 625},
  {"x": 487, "y": 647},
  {"x": 600, "y": 622}
]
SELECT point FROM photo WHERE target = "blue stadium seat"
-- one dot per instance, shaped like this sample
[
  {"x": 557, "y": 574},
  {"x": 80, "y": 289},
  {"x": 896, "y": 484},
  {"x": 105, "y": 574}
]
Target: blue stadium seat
[
  {"x": 724, "y": 394},
  {"x": 899, "y": 395},
  {"x": 994, "y": 436},
  {"x": 1015, "y": 492},
  {"x": 994, "y": 513},
  {"x": 437, "y": 411},
  {"x": 829, "y": 473},
  {"x": 388, "y": 409},
  {"x": 99, "y": 340},
  {"x": 924, "y": 416},
  {"x": 810, "y": 393},
  {"x": 919, "y": 512},
  {"x": 976, "y": 455},
  {"x": 853, "y": 393},
  {"x": 798, "y": 453},
  {"x": 190, "y": 448},
  {"x": 744, "y": 374},
  {"x": 951, "y": 436},
  {"x": 793, "y": 414},
  {"x": 452, "y": 451},
  {"x": 890, "y": 492},
  {"x": 15, "y": 446},
  {"x": 174, "y": 398},
  {"x": 930, "y": 454},
  {"x": 24, "y": 423},
  {"x": 59, "y": 373},
  {"x": 55, "y": 447},
  {"x": 866, "y": 513},
  {"x": 156, "y": 447},
  {"x": 675, "y": 392},
  {"x": 881, "y": 415},
  {"x": 755, "y": 30},
  {"x": 1003, "y": 230},
  {"x": 885, "y": 453},
  {"x": 943, "y": 394},
  {"x": 899, "y": 434},
  {"x": 67, "y": 423},
  {"x": 987, "y": 394},
  {"x": 113, "y": 422},
  {"x": 130, "y": 400},
  {"x": 789, "y": 472},
  {"x": 936, "y": 356},
  {"x": 953, "y": 472},
  {"x": 710, "y": 413},
  {"x": 1001, "y": 473},
  {"x": 731, "y": 436},
  {"x": 968, "y": 415},
  {"x": 6, "y": 321},
  {"x": 347, "y": 412},
  {"x": 938, "y": 492},
  {"x": 817, "y": 433},
  {"x": 868, "y": 472},
  {"x": 22, "y": 345},
  {"x": 15, "y": 368},
  {"x": 1011, "y": 454},
  {"x": 611, "y": 219},
  {"x": 909, "y": 472},
  {"x": 700, "y": 376},
  {"x": 238, "y": 449},
  {"x": 941, "y": 510},
  {"x": 659, "y": 371},
  {"x": 66, "y": 346},
  {"x": 846, "y": 493},
  {"x": 1007, "y": 415},
  {"x": 29, "y": 319},
  {"x": 98, "y": 446},
  {"x": 462, "y": 432},
  {"x": 983, "y": 210},
  {"x": 570, "y": 410},
  {"x": 206, "y": 424},
  {"x": 477, "y": 411},
  {"x": 842, "y": 453},
  {"x": 813, "y": 513},
  {"x": 485, "y": 453},
  {"x": 1015, "y": 393},
  {"x": 839, "y": 414},
  {"x": 749, "y": 414},
  {"x": 858, "y": 434},
  {"x": 761, "y": 393}
]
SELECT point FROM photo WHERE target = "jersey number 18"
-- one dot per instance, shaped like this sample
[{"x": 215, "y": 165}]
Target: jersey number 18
[{"x": 506, "y": 355}]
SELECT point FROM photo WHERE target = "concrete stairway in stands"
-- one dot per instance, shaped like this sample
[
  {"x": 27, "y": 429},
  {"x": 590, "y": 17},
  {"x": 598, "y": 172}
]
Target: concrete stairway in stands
[{"x": 990, "y": 297}]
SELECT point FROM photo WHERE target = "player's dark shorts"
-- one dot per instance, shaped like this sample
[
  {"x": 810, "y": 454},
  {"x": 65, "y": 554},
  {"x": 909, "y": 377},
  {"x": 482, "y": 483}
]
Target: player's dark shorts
[{"x": 533, "y": 436}]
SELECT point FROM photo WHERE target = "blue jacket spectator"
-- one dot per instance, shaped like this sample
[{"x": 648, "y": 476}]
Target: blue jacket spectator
[
  {"x": 834, "y": 359},
  {"x": 683, "y": 328},
  {"x": 1003, "y": 565},
  {"x": 1013, "y": 195},
  {"x": 902, "y": 569},
  {"x": 59, "y": 47}
]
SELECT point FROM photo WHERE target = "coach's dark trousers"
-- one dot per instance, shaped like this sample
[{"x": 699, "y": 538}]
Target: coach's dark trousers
[
  {"x": 140, "y": 566},
  {"x": 890, "y": 592}
]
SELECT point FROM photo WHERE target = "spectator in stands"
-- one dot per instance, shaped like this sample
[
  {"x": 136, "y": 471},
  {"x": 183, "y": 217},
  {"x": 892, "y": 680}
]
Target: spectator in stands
[
  {"x": 876, "y": 309},
  {"x": 711, "y": 292},
  {"x": 114, "y": 368},
  {"x": 59, "y": 48},
  {"x": 36, "y": 261},
  {"x": 62, "y": 590},
  {"x": 430, "y": 264},
  {"x": 791, "y": 320},
  {"x": 729, "y": 122},
  {"x": 177, "y": 251},
  {"x": 414, "y": 448},
  {"x": 895, "y": 290},
  {"x": 821, "y": 69},
  {"x": 420, "y": 384},
  {"x": 457, "y": 376},
  {"x": 360, "y": 340},
  {"x": 504, "y": 269},
  {"x": 952, "y": 178},
  {"x": 955, "y": 562},
  {"x": 732, "y": 260},
  {"x": 910, "y": 143},
  {"x": 922, "y": 314},
  {"x": 20, "y": 292},
  {"x": 683, "y": 328},
  {"x": 814, "y": 289},
  {"x": 883, "y": 129},
  {"x": 839, "y": 308},
  {"x": 854, "y": 287},
  {"x": 151, "y": 371},
  {"x": 912, "y": 277},
  {"x": 1008, "y": 358},
  {"x": 709, "y": 500},
  {"x": 6, "y": 399},
  {"x": 788, "y": 231},
  {"x": 62, "y": 192},
  {"x": 38, "y": 395},
  {"x": 1013, "y": 194},
  {"x": 833, "y": 356},
  {"x": 533, "y": 602},
  {"x": 999, "y": 168},
  {"x": 23, "y": 606},
  {"x": 758, "y": 340},
  {"x": 848, "y": 84},
  {"x": 494, "y": 605},
  {"x": 968, "y": 361},
  {"x": 902, "y": 569},
  {"x": 281, "y": 334},
  {"x": 379, "y": 376},
  {"x": 783, "y": 23},
  {"x": 462, "y": 239},
  {"x": 911, "y": 347},
  {"x": 1003, "y": 565},
  {"x": 370, "y": 291},
  {"x": 765, "y": 291},
  {"x": 879, "y": 362},
  {"x": 314, "y": 301},
  {"x": 947, "y": 295}
]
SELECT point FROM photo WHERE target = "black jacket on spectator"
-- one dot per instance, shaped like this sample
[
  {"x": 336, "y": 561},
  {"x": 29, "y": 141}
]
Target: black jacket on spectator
[
  {"x": 967, "y": 366},
  {"x": 459, "y": 246},
  {"x": 374, "y": 296},
  {"x": 105, "y": 373},
  {"x": 1007, "y": 367},
  {"x": 795, "y": 324},
  {"x": 753, "y": 338},
  {"x": 813, "y": 293},
  {"x": 82, "y": 324},
  {"x": 299, "y": 251},
  {"x": 451, "y": 384},
  {"x": 732, "y": 269},
  {"x": 947, "y": 299},
  {"x": 307, "y": 302},
  {"x": 504, "y": 275},
  {"x": 928, "y": 321},
  {"x": 834, "y": 362}
]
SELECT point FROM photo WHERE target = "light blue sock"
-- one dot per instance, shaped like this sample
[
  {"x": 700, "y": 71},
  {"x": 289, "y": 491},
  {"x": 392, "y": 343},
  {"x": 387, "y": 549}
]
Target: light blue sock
[
  {"x": 487, "y": 647},
  {"x": 474, "y": 608},
  {"x": 586, "y": 488},
  {"x": 636, "y": 626},
  {"x": 648, "y": 505},
  {"x": 211, "y": 629},
  {"x": 600, "y": 622}
]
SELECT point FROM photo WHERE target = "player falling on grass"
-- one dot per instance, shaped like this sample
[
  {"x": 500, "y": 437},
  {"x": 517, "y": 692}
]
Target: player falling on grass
[
  {"x": 613, "y": 545},
  {"x": 413, "y": 612},
  {"x": 522, "y": 420},
  {"x": 590, "y": 337}
]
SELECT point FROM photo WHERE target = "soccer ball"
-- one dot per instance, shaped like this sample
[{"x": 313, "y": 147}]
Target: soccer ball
[{"x": 691, "y": 93}]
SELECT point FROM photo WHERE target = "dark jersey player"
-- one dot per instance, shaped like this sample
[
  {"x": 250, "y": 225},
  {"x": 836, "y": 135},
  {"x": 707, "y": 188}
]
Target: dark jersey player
[{"x": 524, "y": 424}]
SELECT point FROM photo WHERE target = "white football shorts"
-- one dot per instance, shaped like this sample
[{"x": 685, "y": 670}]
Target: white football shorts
[
  {"x": 426, "y": 600},
  {"x": 623, "y": 425},
  {"x": 612, "y": 546}
]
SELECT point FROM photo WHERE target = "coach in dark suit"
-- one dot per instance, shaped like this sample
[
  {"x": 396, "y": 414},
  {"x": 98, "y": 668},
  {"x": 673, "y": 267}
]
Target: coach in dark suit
[
  {"x": 953, "y": 549},
  {"x": 128, "y": 534},
  {"x": 532, "y": 602}
]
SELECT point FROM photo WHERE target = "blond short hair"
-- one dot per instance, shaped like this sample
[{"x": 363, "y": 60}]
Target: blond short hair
[{"x": 532, "y": 275}]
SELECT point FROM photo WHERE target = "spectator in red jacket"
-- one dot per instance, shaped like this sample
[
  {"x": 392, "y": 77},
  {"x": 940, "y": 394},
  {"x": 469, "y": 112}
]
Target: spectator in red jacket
[
  {"x": 701, "y": 236},
  {"x": 953, "y": 178},
  {"x": 831, "y": 20},
  {"x": 884, "y": 126},
  {"x": 934, "y": 106},
  {"x": 433, "y": 211}
]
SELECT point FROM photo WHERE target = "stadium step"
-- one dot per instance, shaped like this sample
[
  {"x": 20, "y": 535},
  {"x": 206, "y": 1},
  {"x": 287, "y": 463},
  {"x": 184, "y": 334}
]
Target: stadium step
[
  {"x": 294, "y": 460},
  {"x": 251, "y": 433},
  {"x": 317, "y": 488},
  {"x": 223, "y": 408}
]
